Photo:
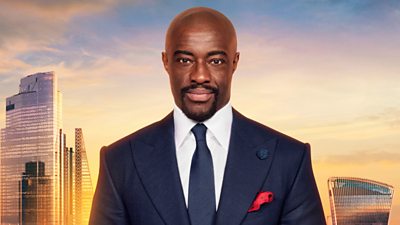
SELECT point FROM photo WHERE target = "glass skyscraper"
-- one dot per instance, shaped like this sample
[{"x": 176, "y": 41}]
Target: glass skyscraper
[
  {"x": 35, "y": 204},
  {"x": 78, "y": 191},
  {"x": 33, "y": 121},
  {"x": 356, "y": 201},
  {"x": 83, "y": 192}
]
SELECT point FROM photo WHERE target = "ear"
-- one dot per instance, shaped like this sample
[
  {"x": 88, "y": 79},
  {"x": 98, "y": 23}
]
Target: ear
[
  {"x": 164, "y": 58},
  {"x": 236, "y": 61}
]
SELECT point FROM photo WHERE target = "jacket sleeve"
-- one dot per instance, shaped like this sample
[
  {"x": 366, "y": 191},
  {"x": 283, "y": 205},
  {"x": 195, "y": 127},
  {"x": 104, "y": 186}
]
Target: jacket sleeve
[
  {"x": 303, "y": 204},
  {"x": 107, "y": 207}
]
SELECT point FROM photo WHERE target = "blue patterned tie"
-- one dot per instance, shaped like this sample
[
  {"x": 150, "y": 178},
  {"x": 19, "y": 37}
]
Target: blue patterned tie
[{"x": 201, "y": 182}]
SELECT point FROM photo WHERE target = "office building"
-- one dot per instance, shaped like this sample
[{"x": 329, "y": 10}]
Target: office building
[
  {"x": 43, "y": 182},
  {"x": 35, "y": 205},
  {"x": 83, "y": 193},
  {"x": 33, "y": 121},
  {"x": 78, "y": 191},
  {"x": 357, "y": 201}
]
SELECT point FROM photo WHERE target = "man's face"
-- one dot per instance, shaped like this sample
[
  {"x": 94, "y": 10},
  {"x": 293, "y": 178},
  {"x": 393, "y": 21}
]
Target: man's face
[{"x": 200, "y": 62}]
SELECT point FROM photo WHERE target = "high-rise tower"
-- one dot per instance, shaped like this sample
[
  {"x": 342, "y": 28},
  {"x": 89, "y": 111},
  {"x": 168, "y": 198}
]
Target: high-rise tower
[
  {"x": 83, "y": 194},
  {"x": 35, "y": 204},
  {"x": 33, "y": 121},
  {"x": 356, "y": 201}
]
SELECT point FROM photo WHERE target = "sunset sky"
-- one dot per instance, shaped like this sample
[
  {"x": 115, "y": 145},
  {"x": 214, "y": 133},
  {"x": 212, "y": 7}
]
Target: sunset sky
[{"x": 326, "y": 72}]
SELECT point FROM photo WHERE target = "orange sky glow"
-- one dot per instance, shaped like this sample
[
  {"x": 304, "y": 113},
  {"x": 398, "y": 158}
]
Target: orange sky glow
[{"x": 326, "y": 74}]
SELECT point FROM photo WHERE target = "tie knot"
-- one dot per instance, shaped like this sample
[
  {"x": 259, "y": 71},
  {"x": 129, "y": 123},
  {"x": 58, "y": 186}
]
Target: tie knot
[{"x": 199, "y": 131}]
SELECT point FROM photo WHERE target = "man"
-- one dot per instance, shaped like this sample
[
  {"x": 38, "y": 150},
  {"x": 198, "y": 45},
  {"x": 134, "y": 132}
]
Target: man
[{"x": 205, "y": 163}]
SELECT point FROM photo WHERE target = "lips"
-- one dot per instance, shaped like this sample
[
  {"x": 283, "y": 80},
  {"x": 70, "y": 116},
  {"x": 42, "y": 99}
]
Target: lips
[{"x": 199, "y": 94}]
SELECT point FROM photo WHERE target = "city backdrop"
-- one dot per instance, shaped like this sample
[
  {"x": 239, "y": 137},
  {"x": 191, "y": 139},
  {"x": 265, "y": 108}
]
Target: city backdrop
[{"x": 325, "y": 72}]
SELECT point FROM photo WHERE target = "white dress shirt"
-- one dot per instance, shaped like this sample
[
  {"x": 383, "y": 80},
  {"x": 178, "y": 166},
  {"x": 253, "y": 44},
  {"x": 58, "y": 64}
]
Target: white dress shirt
[{"x": 217, "y": 137}]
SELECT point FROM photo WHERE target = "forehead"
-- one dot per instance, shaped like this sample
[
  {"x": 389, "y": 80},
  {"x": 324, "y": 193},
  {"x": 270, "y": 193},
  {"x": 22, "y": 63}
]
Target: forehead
[{"x": 199, "y": 40}]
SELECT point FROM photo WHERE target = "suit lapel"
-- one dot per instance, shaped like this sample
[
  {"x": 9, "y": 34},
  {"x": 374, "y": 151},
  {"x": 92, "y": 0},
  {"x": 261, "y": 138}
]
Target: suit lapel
[
  {"x": 157, "y": 167},
  {"x": 245, "y": 172}
]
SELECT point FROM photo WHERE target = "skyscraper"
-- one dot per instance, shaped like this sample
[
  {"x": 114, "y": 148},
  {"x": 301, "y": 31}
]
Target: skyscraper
[
  {"x": 35, "y": 204},
  {"x": 78, "y": 191},
  {"x": 68, "y": 180},
  {"x": 83, "y": 194},
  {"x": 356, "y": 201},
  {"x": 33, "y": 121}
]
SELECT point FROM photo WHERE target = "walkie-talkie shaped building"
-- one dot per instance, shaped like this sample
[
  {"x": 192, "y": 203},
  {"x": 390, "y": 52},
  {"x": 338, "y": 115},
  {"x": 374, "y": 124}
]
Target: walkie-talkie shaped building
[{"x": 356, "y": 201}]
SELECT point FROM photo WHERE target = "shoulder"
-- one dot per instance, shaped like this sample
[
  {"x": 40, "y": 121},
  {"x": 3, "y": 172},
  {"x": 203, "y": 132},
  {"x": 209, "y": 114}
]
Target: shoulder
[
  {"x": 256, "y": 130},
  {"x": 289, "y": 154},
  {"x": 121, "y": 148},
  {"x": 287, "y": 148}
]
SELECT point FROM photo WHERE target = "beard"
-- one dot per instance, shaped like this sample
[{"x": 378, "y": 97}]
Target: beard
[{"x": 207, "y": 111}]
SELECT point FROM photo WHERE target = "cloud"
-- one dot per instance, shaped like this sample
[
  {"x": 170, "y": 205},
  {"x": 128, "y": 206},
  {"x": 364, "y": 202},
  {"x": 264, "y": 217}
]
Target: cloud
[
  {"x": 367, "y": 6},
  {"x": 42, "y": 33},
  {"x": 40, "y": 27},
  {"x": 40, "y": 21},
  {"x": 357, "y": 11},
  {"x": 6, "y": 63},
  {"x": 362, "y": 157},
  {"x": 390, "y": 116},
  {"x": 23, "y": 31},
  {"x": 59, "y": 9}
]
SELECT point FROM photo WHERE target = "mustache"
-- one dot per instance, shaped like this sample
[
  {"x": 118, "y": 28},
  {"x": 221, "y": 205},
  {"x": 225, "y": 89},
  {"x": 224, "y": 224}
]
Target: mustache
[{"x": 205, "y": 86}]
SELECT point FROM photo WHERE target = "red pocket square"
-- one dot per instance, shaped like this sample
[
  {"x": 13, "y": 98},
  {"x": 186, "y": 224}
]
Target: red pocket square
[{"x": 262, "y": 198}]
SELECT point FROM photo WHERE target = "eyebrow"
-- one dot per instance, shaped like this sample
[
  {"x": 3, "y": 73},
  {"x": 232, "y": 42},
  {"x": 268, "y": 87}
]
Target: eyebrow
[
  {"x": 177, "y": 52},
  {"x": 182, "y": 52},
  {"x": 216, "y": 53}
]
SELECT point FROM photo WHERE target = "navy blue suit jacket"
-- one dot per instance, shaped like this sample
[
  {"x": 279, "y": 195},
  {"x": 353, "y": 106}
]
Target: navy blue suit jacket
[{"x": 139, "y": 182}]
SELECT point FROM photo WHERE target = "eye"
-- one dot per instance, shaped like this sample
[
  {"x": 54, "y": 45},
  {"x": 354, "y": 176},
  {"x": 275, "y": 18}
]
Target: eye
[
  {"x": 184, "y": 60},
  {"x": 217, "y": 61}
]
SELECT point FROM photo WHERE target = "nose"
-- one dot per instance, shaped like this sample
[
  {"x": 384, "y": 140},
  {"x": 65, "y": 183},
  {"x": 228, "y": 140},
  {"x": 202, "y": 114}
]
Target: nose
[{"x": 201, "y": 73}]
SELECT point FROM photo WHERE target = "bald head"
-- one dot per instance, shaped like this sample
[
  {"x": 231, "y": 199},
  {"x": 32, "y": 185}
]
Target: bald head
[
  {"x": 201, "y": 19},
  {"x": 200, "y": 58}
]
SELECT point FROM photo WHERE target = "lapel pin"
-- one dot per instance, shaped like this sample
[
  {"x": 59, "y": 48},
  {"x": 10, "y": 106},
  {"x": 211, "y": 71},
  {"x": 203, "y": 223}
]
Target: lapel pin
[{"x": 262, "y": 153}]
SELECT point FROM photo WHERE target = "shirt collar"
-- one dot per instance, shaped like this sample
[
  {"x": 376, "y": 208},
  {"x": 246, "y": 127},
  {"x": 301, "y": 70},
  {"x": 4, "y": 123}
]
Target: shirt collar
[{"x": 219, "y": 125}]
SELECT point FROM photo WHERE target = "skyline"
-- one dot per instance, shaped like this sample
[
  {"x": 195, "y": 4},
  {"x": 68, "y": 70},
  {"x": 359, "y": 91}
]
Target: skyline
[
  {"x": 42, "y": 180},
  {"x": 326, "y": 72},
  {"x": 33, "y": 120}
]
